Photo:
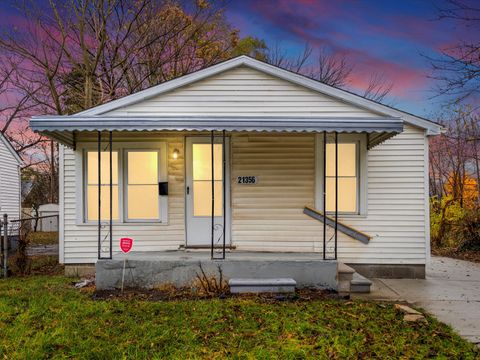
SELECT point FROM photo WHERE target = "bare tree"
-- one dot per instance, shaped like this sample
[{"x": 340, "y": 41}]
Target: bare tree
[
  {"x": 14, "y": 110},
  {"x": 457, "y": 68},
  {"x": 75, "y": 54},
  {"x": 331, "y": 69},
  {"x": 454, "y": 157},
  {"x": 277, "y": 56},
  {"x": 378, "y": 87}
]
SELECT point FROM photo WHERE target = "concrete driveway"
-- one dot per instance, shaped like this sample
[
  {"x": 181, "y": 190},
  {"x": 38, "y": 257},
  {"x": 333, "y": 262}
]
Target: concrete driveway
[{"x": 451, "y": 293}]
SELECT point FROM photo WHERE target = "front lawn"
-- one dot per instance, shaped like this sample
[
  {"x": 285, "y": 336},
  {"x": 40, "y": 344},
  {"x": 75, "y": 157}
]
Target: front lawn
[
  {"x": 43, "y": 238},
  {"x": 44, "y": 317}
]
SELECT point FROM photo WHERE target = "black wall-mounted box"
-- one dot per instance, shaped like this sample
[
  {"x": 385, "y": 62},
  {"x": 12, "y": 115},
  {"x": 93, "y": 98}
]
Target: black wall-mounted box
[{"x": 163, "y": 188}]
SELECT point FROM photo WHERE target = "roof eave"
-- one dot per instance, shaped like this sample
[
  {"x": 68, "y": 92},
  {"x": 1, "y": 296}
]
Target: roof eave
[{"x": 12, "y": 150}]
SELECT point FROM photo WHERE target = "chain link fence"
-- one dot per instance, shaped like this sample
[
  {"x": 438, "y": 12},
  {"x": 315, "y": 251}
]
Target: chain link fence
[{"x": 20, "y": 245}]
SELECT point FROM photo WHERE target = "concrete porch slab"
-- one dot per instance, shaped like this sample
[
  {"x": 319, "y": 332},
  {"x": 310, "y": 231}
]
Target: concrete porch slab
[{"x": 180, "y": 268}]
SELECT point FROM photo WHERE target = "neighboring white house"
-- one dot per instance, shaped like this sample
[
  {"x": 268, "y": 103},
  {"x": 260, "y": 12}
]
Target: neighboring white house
[
  {"x": 49, "y": 215},
  {"x": 274, "y": 123},
  {"x": 10, "y": 180}
]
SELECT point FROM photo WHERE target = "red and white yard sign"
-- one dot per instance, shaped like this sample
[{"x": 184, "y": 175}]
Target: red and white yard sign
[{"x": 126, "y": 244}]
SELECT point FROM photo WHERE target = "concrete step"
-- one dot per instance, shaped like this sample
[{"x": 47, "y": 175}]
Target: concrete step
[
  {"x": 278, "y": 285},
  {"x": 360, "y": 284},
  {"x": 349, "y": 281},
  {"x": 345, "y": 272},
  {"x": 345, "y": 275}
]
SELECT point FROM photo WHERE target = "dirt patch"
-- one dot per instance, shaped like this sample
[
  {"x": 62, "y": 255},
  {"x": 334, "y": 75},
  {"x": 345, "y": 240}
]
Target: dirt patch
[
  {"x": 46, "y": 265},
  {"x": 168, "y": 294},
  {"x": 468, "y": 255}
]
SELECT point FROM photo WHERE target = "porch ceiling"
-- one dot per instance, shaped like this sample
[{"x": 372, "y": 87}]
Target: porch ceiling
[{"x": 62, "y": 128}]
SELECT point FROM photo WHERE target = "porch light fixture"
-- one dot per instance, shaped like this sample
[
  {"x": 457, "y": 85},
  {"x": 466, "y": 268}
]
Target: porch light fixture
[{"x": 175, "y": 154}]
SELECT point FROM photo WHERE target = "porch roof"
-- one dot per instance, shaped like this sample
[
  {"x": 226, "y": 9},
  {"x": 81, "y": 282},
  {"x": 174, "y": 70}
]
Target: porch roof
[{"x": 62, "y": 128}]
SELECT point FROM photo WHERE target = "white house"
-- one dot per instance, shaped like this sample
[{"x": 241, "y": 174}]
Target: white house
[
  {"x": 269, "y": 127},
  {"x": 49, "y": 217},
  {"x": 10, "y": 180}
]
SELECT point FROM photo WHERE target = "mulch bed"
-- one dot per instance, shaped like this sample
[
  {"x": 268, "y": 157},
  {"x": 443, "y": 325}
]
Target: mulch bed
[{"x": 187, "y": 294}]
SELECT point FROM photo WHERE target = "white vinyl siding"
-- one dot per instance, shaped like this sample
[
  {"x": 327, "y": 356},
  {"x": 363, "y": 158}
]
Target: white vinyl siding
[
  {"x": 80, "y": 239},
  {"x": 268, "y": 216},
  {"x": 9, "y": 183},
  {"x": 396, "y": 204},
  {"x": 243, "y": 91}
]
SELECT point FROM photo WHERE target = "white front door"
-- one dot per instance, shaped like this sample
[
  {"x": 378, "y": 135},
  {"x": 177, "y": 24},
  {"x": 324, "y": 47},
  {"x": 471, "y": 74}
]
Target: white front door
[{"x": 198, "y": 188}]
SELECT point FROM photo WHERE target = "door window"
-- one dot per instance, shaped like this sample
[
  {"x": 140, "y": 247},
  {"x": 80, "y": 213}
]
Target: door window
[{"x": 202, "y": 179}]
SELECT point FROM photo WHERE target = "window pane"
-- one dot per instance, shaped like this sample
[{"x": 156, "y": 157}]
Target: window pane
[
  {"x": 142, "y": 185},
  {"x": 92, "y": 167},
  {"x": 143, "y": 202},
  {"x": 142, "y": 167},
  {"x": 202, "y": 161},
  {"x": 347, "y": 194},
  {"x": 347, "y": 160},
  {"x": 92, "y": 201},
  {"x": 202, "y": 198}
]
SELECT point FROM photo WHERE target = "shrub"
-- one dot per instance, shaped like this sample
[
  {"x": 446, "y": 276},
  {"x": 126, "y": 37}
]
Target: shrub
[{"x": 453, "y": 226}]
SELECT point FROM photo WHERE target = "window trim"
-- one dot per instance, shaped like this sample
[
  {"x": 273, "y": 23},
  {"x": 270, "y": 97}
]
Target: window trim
[
  {"x": 361, "y": 166},
  {"x": 80, "y": 168},
  {"x": 162, "y": 200}
]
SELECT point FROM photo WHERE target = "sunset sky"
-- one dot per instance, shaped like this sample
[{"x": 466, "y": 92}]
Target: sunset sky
[
  {"x": 391, "y": 38},
  {"x": 387, "y": 37}
]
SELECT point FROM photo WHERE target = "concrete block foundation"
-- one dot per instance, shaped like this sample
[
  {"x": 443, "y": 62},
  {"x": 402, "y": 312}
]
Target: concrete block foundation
[
  {"x": 81, "y": 270},
  {"x": 390, "y": 271},
  {"x": 182, "y": 268}
]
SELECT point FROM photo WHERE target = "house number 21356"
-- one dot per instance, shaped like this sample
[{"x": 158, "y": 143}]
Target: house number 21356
[{"x": 246, "y": 179}]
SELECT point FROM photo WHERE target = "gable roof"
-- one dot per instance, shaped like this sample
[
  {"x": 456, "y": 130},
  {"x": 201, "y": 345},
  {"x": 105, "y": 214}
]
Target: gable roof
[
  {"x": 10, "y": 148},
  {"x": 431, "y": 128}
]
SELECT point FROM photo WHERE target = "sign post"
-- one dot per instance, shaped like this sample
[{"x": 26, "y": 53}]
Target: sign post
[{"x": 125, "y": 245}]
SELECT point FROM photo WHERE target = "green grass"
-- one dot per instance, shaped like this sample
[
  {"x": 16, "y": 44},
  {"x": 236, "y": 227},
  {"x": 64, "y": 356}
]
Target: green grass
[
  {"x": 44, "y": 317},
  {"x": 43, "y": 238}
]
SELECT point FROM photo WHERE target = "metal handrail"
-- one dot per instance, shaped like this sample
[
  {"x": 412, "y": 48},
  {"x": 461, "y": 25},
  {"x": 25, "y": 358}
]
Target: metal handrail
[{"x": 342, "y": 227}]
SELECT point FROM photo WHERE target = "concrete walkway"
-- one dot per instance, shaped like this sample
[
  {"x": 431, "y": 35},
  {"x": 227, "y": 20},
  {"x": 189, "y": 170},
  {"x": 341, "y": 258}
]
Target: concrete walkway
[{"x": 451, "y": 293}]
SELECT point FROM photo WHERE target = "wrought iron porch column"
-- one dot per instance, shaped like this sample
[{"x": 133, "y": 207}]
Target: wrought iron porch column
[
  {"x": 212, "y": 140},
  {"x": 110, "y": 144},
  {"x": 224, "y": 183},
  {"x": 99, "y": 170},
  {"x": 324, "y": 195},
  {"x": 336, "y": 192}
]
